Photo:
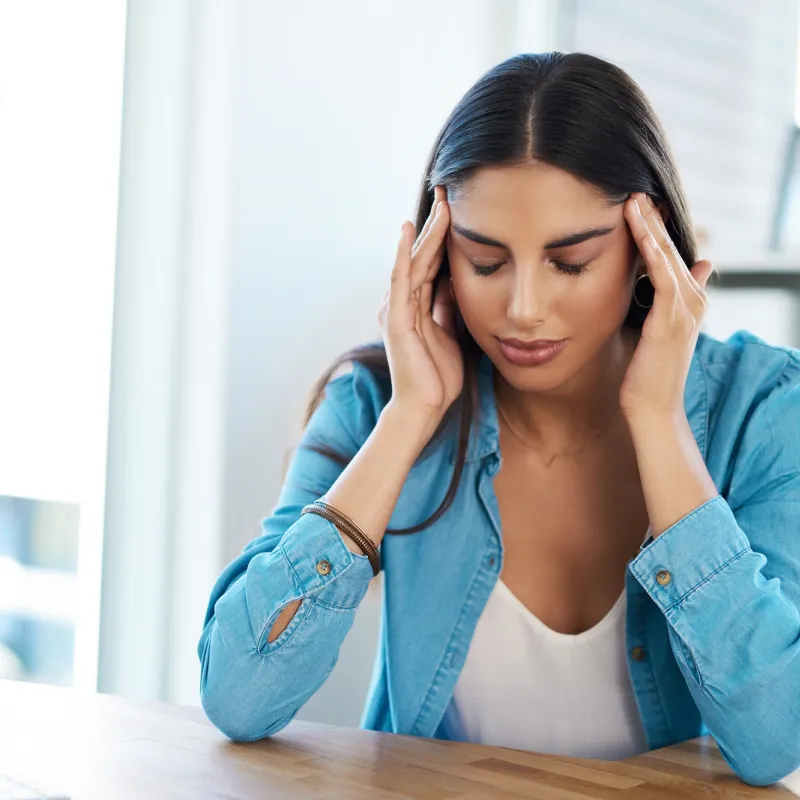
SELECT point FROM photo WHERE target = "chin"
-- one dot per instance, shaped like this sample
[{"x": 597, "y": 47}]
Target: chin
[{"x": 522, "y": 380}]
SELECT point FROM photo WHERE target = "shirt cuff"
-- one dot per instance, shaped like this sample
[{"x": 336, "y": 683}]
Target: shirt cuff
[
  {"x": 692, "y": 551},
  {"x": 322, "y": 565}
]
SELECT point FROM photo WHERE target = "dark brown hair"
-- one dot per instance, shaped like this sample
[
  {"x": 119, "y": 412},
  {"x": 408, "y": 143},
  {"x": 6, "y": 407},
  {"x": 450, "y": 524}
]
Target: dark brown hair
[{"x": 570, "y": 110}]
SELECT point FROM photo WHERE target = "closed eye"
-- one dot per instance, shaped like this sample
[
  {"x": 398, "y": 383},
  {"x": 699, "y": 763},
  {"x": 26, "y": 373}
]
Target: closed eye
[
  {"x": 486, "y": 269},
  {"x": 562, "y": 266},
  {"x": 569, "y": 269}
]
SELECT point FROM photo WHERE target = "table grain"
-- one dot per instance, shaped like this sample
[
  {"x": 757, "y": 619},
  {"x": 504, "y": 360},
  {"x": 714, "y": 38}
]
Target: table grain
[{"x": 100, "y": 746}]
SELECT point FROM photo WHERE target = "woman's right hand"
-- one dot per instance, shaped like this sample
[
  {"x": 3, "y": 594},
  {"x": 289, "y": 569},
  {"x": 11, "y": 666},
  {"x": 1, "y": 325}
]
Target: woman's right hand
[{"x": 425, "y": 360}]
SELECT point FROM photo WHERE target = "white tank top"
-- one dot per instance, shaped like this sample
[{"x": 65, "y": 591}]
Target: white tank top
[{"x": 528, "y": 687}]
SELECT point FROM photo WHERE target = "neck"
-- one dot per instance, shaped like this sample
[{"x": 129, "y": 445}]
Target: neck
[{"x": 579, "y": 411}]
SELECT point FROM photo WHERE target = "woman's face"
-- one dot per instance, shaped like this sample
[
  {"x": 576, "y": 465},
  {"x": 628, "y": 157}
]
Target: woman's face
[{"x": 529, "y": 281}]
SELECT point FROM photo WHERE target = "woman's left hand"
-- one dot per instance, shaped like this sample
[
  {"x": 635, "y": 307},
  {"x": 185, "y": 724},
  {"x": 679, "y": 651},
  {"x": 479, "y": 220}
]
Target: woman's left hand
[{"x": 656, "y": 377}]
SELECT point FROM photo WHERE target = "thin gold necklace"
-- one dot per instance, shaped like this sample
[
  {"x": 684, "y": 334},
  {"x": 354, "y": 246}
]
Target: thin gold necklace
[{"x": 556, "y": 455}]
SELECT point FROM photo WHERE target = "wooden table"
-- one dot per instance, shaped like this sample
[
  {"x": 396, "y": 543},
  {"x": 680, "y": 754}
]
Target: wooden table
[{"x": 99, "y": 746}]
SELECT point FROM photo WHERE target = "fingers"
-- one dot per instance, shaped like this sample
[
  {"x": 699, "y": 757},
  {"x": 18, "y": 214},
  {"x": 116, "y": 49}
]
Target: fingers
[
  {"x": 441, "y": 322},
  {"x": 426, "y": 289},
  {"x": 668, "y": 273},
  {"x": 415, "y": 266},
  {"x": 400, "y": 290},
  {"x": 682, "y": 272},
  {"x": 691, "y": 289},
  {"x": 444, "y": 308},
  {"x": 659, "y": 268},
  {"x": 382, "y": 308},
  {"x": 435, "y": 263},
  {"x": 701, "y": 272},
  {"x": 429, "y": 245},
  {"x": 438, "y": 196}
]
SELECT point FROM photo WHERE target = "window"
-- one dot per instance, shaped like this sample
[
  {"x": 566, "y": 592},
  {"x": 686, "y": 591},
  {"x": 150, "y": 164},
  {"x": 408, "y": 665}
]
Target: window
[{"x": 61, "y": 67}]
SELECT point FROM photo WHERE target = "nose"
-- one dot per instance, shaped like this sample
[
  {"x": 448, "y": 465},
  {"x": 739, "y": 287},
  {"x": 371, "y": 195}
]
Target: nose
[{"x": 526, "y": 304}]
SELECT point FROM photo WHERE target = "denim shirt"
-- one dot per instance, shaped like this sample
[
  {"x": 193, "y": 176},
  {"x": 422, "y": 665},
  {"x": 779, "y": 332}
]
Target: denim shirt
[{"x": 714, "y": 650}]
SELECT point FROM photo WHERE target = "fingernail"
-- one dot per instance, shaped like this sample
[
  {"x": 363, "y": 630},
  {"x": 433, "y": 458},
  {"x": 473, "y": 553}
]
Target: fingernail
[{"x": 636, "y": 207}]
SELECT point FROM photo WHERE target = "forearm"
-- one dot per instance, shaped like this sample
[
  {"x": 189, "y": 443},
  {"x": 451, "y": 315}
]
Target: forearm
[
  {"x": 251, "y": 685},
  {"x": 735, "y": 633},
  {"x": 367, "y": 491},
  {"x": 675, "y": 479},
  {"x": 275, "y": 620}
]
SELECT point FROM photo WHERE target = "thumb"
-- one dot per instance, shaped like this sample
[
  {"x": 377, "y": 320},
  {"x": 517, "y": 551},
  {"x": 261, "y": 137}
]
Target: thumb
[{"x": 701, "y": 272}]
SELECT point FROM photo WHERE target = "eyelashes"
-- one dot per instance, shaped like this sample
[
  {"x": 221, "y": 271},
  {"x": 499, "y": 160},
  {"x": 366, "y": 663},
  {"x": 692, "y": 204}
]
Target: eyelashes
[
  {"x": 564, "y": 267},
  {"x": 486, "y": 269},
  {"x": 569, "y": 269}
]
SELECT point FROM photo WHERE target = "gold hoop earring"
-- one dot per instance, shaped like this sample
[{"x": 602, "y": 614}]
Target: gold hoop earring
[{"x": 636, "y": 287}]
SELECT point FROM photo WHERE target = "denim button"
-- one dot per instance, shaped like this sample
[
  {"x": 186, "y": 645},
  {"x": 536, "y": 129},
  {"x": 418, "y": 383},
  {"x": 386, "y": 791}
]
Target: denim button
[
  {"x": 663, "y": 577},
  {"x": 638, "y": 653},
  {"x": 323, "y": 567}
]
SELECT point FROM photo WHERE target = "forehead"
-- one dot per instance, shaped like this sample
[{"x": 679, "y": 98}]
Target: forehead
[{"x": 498, "y": 199}]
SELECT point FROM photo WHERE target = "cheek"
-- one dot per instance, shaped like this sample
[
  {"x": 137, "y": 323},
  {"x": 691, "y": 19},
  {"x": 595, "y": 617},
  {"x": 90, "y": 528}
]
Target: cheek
[
  {"x": 607, "y": 286},
  {"x": 480, "y": 298},
  {"x": 598, "y": 291}
]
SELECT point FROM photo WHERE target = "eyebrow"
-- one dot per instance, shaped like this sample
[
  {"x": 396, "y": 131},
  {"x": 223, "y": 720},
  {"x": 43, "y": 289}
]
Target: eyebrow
[{"x": 566, "y": 241}]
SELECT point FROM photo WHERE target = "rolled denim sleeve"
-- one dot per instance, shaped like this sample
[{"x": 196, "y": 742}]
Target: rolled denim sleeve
[
  {"x": 249, "y": 687},
  {"x": 727, "y": 578}
]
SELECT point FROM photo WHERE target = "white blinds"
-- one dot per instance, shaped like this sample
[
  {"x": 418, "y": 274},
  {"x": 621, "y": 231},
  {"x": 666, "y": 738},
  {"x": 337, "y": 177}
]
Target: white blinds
[{"x": 721, "y": 76}]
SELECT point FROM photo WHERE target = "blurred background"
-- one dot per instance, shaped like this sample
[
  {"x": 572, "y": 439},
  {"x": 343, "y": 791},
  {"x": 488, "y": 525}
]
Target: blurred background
[{"x": 200, "y": 202}]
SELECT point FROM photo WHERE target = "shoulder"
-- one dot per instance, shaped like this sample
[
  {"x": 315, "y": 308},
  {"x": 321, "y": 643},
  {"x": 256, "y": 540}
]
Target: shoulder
[
  {"x": 746, "y": 356},
  {"x": 743, "y": 371},
  {"x": 753, "y": 404},
  {"x": 354, "y": 399}
]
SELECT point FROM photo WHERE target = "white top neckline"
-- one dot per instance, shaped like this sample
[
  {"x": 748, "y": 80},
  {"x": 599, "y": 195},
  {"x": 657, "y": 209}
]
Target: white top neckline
[
  {"x": 565, "y": 638},
  {"x": 526, "y": 686}
]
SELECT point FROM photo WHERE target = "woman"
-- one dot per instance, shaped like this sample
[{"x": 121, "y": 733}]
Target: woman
[{"x": 542, "y": 366}]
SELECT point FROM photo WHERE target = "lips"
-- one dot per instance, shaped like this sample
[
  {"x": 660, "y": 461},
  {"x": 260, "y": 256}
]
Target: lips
[
  {"x": 534, "y": 344},
  {"x": 531, "y": 353}
]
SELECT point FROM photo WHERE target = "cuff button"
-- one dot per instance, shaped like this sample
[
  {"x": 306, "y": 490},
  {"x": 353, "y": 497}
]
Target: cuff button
[{"x": 323, "y": 567}]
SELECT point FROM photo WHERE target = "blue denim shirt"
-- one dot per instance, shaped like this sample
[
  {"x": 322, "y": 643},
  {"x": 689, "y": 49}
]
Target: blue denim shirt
[{"x": 715, "y": 650}]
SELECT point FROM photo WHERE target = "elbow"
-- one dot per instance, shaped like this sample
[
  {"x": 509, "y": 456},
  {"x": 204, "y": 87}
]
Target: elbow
[
  {"x": 234, "y": 699},
  {"x": 761, "y": 777},
  {"x": 759, "y": 769},
  {"x": 235, "y": 726},
  {"x": 238, "y": 722},
  {"x": 757, "y": 729}
]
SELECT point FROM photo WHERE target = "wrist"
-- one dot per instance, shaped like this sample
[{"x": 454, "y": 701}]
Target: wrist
[
  {"x": 417, "y": 425},
  {"x": 648, "y": 421}
]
